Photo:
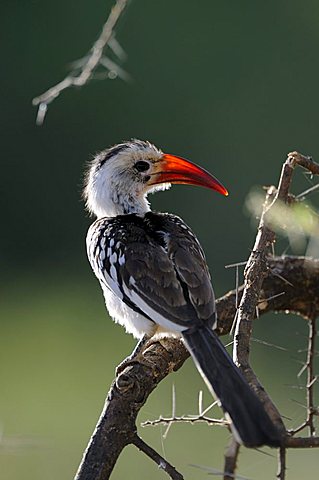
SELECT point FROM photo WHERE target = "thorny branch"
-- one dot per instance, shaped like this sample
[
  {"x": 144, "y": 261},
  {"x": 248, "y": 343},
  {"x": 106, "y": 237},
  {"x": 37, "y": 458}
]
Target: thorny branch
[
  {"x": 88, "y": 65},
  {"x": 200, "y": 417},
  {"x": 117, "y": 425},
  {"x": 255, "y": 272},
  {"x": 311, "y": 380},
  {"x": 185, "y": 419}
]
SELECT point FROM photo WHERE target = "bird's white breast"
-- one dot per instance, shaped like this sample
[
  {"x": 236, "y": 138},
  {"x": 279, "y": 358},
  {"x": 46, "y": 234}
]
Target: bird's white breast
[{"x": 133, "y": 322}]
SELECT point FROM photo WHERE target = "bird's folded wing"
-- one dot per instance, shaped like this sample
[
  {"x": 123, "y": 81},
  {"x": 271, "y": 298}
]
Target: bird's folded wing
[{"x": 167, "y": 280}]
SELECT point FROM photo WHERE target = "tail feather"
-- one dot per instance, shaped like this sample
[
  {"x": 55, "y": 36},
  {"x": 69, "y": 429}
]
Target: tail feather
[{"x": 251, "y": 424}]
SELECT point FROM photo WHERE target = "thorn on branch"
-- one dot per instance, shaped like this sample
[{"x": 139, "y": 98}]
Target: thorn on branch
[
  {"x": 256, "y": 271},
  {"x": 200, "y": 417},
  {"x": 303, "y": 195},
  {"x": 311, "y": 378},
  {"x": 267, "y": 344},
  {"x": 173, "y": 411}
]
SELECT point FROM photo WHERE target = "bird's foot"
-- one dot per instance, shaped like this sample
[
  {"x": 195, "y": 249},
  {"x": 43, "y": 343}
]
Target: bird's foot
[
  {"x": 135, "y": 357},
  {"x": 128, "y": 362},
  {"x": 126, "y": 376}
]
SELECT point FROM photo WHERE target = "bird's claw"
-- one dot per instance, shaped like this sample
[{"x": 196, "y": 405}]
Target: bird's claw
[{"x": 130, "y": 361}]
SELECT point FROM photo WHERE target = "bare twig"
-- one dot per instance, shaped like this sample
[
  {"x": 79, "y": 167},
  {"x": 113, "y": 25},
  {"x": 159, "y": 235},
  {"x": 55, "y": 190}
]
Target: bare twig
[
  {"x": 311, "y": 378},
  {"x": 238, "y": 264},
  {"x": 185, "y": 419},
  {"x": 173, "y": 411},
  {"x": 267, "y": 344},
  {"x": 262, "y": 300},
  {"x": 284, "y": 279},
  {"x": 298, "y": 429},
  {"x": 281, "y": 474},
  {"x": 301, "y": 196},
  {"x": 200, "y": 417},
  {"x": 218, "y": 473},
  {"x": 88, "y": 65},
  {"x": 157, "y": 458},
  {"x": 231, "y": 457}
]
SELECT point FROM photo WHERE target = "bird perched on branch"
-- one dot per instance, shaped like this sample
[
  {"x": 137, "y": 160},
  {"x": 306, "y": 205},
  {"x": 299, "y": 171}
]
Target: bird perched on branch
[{"x": 154, "y": 275}]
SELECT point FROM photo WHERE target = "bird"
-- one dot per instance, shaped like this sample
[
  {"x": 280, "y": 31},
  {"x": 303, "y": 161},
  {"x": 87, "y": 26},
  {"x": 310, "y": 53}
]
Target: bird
[{"x": 154, "y": 275}]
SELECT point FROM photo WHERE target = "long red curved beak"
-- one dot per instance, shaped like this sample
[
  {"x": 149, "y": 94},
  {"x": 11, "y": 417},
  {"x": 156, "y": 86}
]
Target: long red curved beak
[{"x": 173, "y": 169}]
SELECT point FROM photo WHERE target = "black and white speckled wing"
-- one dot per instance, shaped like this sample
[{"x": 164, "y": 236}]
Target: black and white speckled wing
[
  {"x": 156, "y": 266},
  {"x": 188, "y": 258}
]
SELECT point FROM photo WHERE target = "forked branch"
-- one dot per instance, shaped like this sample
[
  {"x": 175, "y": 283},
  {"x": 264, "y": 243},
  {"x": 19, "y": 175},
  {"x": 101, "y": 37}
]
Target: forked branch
[{"x": 117, "y": 425}]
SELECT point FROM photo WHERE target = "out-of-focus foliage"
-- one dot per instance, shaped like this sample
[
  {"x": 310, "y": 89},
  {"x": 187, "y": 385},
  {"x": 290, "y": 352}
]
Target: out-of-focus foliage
[
  {"x": 230, "y": 85},
  {"x": 299, "y": 222}
]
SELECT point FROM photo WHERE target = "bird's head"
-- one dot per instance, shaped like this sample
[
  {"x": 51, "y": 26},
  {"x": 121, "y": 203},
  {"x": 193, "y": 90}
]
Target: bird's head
[{"x": 119, "y": 178}]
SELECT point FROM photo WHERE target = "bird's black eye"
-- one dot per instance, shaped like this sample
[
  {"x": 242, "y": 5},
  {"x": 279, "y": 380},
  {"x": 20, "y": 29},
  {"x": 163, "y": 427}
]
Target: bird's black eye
[{"x": 141, "y": 166}]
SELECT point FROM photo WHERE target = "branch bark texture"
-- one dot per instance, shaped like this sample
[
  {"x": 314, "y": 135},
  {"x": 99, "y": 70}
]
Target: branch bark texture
[{"x": 129, "y": 392}]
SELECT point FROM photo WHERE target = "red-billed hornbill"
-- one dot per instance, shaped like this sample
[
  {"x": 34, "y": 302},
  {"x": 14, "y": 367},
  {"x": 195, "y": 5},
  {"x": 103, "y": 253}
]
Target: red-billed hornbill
[{"x": 153, "y": 272}]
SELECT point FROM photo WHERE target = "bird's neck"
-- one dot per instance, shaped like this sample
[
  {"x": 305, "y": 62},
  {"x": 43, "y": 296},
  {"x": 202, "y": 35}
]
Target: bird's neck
[
  {"x": 109, "y": 196},
  {"x": 111, "y": 205}
]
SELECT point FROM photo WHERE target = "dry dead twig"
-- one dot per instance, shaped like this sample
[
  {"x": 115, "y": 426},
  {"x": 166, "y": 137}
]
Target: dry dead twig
[
  {"x": 87, "y": 65},
  {"x": 157, "y": 458}
]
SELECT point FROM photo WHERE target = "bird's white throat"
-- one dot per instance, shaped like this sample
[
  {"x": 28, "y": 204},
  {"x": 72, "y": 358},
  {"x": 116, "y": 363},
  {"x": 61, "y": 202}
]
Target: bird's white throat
[{"x": 107, "y": 195}]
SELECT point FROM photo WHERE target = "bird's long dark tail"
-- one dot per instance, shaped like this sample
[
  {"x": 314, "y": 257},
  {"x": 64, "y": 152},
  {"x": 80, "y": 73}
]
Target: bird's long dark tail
[{"x": 251, "y": 424}]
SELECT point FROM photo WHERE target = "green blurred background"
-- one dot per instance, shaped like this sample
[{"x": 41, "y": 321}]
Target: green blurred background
[{"x": 232, "y": 85}]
